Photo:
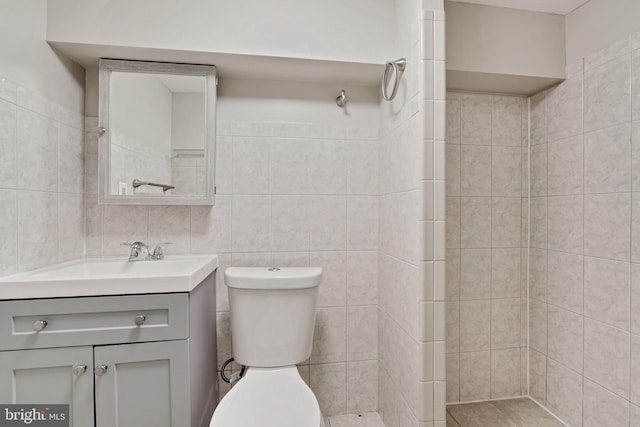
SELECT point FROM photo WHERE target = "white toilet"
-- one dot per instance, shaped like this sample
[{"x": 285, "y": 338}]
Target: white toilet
[{"x": 273, "y": 313}]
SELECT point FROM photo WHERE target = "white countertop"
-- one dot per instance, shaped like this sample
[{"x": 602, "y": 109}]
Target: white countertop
[{"x": 110, "y": 276}]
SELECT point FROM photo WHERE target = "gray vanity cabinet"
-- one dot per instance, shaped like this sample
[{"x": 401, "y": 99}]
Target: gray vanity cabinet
[
  {"x": 46, "y": 376},
  {"x": 145, "y": 384},
  {"x": 150, "y": 359}
]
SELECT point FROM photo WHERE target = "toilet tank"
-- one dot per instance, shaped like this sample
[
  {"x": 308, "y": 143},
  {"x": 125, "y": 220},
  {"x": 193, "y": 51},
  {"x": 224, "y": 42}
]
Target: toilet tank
[{"x": 273, "y": 314}]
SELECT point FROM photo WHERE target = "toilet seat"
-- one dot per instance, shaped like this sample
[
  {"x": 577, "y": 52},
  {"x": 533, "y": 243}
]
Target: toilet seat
[{"x": 269, "y": 397}]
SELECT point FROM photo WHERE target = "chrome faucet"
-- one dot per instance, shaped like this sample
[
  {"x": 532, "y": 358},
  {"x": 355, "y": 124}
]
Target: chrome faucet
[{"x": 140, "y": 251}]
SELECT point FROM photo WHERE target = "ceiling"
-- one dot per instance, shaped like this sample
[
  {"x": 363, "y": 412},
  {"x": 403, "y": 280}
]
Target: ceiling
[{"x": 561, "y": 7}]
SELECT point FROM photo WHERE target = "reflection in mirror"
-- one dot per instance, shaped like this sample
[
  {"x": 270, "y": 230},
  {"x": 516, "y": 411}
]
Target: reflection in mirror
[{"x": 158, "y": 129}]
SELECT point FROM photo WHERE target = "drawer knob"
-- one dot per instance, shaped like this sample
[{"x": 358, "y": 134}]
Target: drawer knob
[
  {"x": 79, "y": 370},
  {"x": 100, "y": 370},
  {"x": 140, "y": 320},
  {"x": 39, "y": 325}
]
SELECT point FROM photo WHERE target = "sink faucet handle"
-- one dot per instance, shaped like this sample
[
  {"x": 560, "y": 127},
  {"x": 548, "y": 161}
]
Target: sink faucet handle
[
  {"x": 138, "y": 249},
  {"x": 157, "y": 252}
]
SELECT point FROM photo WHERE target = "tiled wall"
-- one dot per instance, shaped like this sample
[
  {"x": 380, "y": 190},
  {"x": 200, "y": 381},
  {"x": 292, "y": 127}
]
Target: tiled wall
[
  {"x": 288, "y": 194},
  {"x": 585, "y": 247},
  {"x": 41, "y": 152},
  {"x": 411, "y": 256},
  {"x": 486, "y": 187}
]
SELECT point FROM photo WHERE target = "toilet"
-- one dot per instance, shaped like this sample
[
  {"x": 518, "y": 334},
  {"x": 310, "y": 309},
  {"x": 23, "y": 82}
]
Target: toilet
[{"x": 273, "y": 313}]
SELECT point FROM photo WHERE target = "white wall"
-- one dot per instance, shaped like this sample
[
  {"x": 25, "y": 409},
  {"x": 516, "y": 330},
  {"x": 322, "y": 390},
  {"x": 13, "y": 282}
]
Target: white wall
[
  {"x": 187, "y": 120},
  {"x": 140, "y": 109},
  {"x": 320, "y": 29},
  {"x": 29, "y": 61},
  {"x": 598, "y": 24},
  {"x": 498, "y": 43}
]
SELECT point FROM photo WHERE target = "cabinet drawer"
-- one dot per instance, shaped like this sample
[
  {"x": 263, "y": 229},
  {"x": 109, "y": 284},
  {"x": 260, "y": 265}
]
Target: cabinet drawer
[{"x": 93, "y": 320}]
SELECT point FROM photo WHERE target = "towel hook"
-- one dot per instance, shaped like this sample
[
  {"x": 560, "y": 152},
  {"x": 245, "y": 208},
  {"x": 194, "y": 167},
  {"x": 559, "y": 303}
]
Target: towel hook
[
  {"x": 341, "y": 100},
  {"x": 398, "y": 66}
]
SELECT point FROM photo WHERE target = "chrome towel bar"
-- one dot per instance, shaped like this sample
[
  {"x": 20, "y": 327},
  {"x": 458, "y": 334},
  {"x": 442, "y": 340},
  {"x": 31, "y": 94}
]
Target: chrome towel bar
[{"x": 137, "y": 183}]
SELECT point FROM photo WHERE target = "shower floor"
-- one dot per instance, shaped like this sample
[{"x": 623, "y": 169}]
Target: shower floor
[{"x": 500, "y": 413}]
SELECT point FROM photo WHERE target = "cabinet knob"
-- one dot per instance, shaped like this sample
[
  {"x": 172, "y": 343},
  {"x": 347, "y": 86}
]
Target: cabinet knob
[
  {"x": 140, "y": 320},
  {"x": 79, "y": 370},
  {"x": 39, "y": 325},
  {"x": 100, "y": 370}
]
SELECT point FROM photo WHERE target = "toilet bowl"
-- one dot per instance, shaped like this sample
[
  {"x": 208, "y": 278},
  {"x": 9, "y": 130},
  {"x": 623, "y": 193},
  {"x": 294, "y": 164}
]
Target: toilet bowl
[
  {"x": 269, "y": 397},
  {"x": 272, "y": 322}
]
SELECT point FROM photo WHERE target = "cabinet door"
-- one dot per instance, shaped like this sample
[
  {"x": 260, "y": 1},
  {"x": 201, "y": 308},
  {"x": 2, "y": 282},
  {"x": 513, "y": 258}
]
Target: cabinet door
[
  {"x": 46, "y": 376},
  {"x": 145, "y": 385}
]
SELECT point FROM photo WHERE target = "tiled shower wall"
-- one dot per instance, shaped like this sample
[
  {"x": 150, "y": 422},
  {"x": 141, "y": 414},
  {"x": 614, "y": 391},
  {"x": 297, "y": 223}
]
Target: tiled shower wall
[
  {"x": 411, "y": 256},
  {"x": 486, "y": 265},
  {"x": 41, "y": 152},
  {"x": 288, "y": 194},
  {"x": 585, "y": 244}
]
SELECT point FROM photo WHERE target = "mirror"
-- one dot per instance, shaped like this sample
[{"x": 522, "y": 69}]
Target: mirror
[{"x": 157, "y": 133}]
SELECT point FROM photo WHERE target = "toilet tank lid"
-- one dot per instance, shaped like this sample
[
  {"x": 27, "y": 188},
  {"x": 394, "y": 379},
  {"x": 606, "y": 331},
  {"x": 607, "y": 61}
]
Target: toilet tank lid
[{"x": 272, "y": 277}]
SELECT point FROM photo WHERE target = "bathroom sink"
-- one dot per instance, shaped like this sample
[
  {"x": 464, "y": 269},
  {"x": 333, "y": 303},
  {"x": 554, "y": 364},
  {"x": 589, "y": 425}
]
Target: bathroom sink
[{"x": 110, "y": 276}]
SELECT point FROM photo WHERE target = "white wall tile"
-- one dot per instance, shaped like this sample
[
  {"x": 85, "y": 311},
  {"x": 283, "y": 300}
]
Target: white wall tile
[
  {"x": 8, "y": 146},
  {"x": 327, "y": 223},
  {"x": 505, "y": 229},
  {"x": 333, "y": 289},
  {"x": 635, "y": 84},
  {"x": 505, "y": 373},
  {"x": 565, "y": 222},
  {"x": 70, "y": 226},
  {"x": 506, "y": 171},
  {"x": 329, "y": 337},
  {"x": 37, "y": 215},
  {"x": 126, "y": 224},
  {"x": 565, "y": 280},
  {"x": 289, "y": 166},
  {"x": 8, "y": 232},
  {"x": 475, "y": 325},
  {"x": 565, "y": 331},
  {"x": 475, "y": 376},
  {"x": 327, "y": 166},
  {"x": 607, "y": 94},
  {"x": 564, "y": 109},
  {"x": 475, "y": 274},
  {"x": 505, "y": 273},
  {"x": 564, "y": 393},
  {"x": 211, "y": 226},
  {"x": 330, "y": 387},
  {"x": 170, "y": 224},
  {"x": 607, "y": 286},
  {"x": 362, "y": 387},
  {"x": 362, "y": 333},
  {"x": 37, "y": 153},
  {"x": 289, "y": 223},
  {"x": 507, "y": 120},
  {"x": 251, "y": 165},
  {"x": 476, "y": 170},
  {"x": 607, "y": 356},
  {"x": 70, "y": 159},
  {"x": 475, "y": 113},
  {"x": 250, "y": 223},
  {"x": 601, "y": 407},
  {"x": 606, "y": 225},
  {"x": 565, "y": 166},
  {"x": 505, "y": 324},
  {"x": 607, "y": 160},
  {"x": 362, "y": 222},
  {"x": 362, "y": 278},
  {"x": 475, "y": 215}
]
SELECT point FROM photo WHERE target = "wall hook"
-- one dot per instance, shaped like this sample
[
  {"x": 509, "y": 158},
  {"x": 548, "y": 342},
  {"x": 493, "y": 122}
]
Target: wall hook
[{"x": 341, "y": 100}]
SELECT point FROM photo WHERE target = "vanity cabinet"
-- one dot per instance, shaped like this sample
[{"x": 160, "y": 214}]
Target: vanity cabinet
[{"x": 130, "y": 360}]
